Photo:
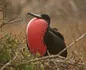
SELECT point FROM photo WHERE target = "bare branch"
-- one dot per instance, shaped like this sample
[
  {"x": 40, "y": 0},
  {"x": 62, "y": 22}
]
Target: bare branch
[
  {"x": 81, "y": 37},
  {"x": 40, "y": 59},
  {"x": 53, "y": 61},
  {"x": 20, "y": 19},
  {"x": 10, "y": 21}
]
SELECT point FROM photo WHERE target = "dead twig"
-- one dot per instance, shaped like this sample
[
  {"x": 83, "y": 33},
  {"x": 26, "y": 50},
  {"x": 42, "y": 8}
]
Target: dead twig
[
  {"x": 40, "y": 59},
  {"x": 15, "y": 20},
  {"x": 53, "y": 61},
  {"x": 10, "y": 21},
  {"x": 78, "y": 39}
]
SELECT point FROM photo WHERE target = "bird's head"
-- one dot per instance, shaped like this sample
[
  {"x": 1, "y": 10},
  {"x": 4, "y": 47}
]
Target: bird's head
[{"x": 41, "y": 16}]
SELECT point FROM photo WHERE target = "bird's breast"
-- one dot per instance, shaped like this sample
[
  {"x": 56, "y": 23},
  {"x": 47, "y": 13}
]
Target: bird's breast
[{"x": 36, "y": 30}]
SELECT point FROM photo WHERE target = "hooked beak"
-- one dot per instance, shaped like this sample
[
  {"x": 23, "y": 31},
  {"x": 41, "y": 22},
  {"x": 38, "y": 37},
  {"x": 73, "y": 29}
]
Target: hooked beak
[{"x": 34, "y": 15}]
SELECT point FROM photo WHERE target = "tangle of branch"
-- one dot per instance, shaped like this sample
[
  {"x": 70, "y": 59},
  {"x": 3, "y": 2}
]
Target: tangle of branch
[{"x": 54, "y": 56}]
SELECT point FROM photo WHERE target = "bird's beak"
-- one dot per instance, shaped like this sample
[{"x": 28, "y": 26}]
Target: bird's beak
[{"x": 34, "y": 15}]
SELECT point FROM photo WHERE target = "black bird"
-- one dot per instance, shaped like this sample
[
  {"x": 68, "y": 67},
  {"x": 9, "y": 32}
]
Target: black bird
[{"x": 41, "y": 37}]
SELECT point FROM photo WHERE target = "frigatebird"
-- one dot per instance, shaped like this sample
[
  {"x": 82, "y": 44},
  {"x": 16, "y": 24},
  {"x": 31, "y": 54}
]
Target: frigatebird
[{"x": 41, "y": 37}]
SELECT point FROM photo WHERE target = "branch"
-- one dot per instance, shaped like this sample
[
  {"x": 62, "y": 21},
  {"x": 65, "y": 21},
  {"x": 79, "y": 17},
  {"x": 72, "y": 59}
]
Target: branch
[
  {"x": 78, "y": 39},
  {"x": 53, "y": 61},
  {"x": 40, "y": 59},
  {"x": 11, "y": 21}
]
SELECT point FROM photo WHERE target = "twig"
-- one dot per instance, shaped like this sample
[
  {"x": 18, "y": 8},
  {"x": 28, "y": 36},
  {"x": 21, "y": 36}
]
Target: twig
[
  {"x": 2, "y": 25},
  {"x": 8, "y": 63},
  {"x": 78, "y": 39},
  {"x": 55, "y": 64},
  {"x": 10, "y": 21},
  {"x": 40, "y": 59},
  {"x": 53, "y": 61}
]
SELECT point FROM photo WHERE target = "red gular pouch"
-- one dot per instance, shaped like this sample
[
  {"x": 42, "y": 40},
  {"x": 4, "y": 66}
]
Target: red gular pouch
[{"x": 36, "y": 30}]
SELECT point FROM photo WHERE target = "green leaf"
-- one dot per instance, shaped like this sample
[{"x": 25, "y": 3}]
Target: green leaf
[
  {"x": 11, "y": 68},
  {"x": 27, "y": 67},
  {"x": 5, "y": 56}
]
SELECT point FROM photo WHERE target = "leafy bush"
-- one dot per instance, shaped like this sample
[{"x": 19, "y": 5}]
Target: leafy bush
[
  {"x": 14, "y": 55},
  {"x": 9, "y": 45}
]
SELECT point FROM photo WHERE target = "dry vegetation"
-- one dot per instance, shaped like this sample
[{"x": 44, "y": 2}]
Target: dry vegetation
[{"x": 66, "y": 15}]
